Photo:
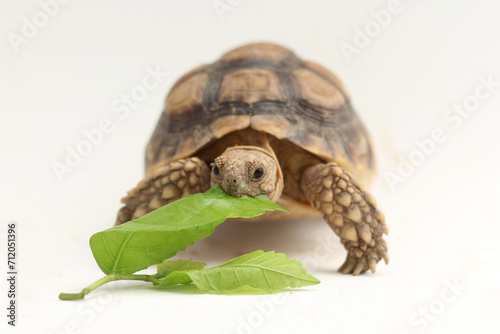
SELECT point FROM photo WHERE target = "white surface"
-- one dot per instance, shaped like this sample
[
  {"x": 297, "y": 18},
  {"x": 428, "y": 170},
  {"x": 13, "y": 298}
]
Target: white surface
[{"x": 443, "y": 219}]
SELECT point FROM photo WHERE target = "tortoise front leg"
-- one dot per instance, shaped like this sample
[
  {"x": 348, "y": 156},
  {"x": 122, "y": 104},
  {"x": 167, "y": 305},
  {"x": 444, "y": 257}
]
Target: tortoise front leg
[
  {"x": 167, "y": 184},
  {"x": 351, "y": 212}
]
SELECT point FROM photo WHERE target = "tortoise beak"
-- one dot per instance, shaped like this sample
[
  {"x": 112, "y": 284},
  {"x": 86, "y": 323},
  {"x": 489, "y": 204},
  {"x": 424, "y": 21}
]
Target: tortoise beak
[{"x": 231, "y": 184}]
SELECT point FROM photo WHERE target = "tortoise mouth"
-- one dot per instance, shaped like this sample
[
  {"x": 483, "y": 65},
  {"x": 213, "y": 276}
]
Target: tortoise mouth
[
  {"x": 232, "y": 186},
  {"x": 233, "y": 192}
]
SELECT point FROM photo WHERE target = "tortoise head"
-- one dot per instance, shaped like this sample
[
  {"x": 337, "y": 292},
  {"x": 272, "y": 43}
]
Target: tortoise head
[{"x": 248, "y": 170}]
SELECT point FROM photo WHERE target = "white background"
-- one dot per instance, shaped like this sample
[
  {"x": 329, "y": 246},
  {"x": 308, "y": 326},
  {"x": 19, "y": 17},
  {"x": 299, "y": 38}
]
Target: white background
[{"x": 442, "y": 216}]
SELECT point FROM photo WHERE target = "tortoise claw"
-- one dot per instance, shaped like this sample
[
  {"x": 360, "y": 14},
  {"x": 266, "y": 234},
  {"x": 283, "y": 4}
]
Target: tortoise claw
[
  {"x": 385, "y": 257},
  {"x": 372, "y": 264},
  {"x": 354, "y": 265},
  {"x": 359, "y": 268},
  {"x": 348, "y": 265}
]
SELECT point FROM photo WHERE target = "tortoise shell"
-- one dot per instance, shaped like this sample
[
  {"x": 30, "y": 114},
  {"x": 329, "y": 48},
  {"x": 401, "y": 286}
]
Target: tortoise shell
[{"x": 267, "y": 88}]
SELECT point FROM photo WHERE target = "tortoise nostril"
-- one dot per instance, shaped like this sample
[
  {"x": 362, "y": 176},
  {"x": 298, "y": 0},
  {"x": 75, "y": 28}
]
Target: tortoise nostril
[{"x": 231, "y": 180}]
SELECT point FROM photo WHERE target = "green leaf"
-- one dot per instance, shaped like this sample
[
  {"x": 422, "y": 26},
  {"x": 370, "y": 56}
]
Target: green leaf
[
  {"x": 162, "y": 233},
  {"x": 266, "y": 271},
  {"x": 177, "y": 277},
  {"x": 174, "y": 271},
  {"x": 167, "y": 267}
]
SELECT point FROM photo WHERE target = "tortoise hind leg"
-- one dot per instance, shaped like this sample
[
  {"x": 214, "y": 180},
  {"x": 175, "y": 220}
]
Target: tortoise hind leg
[
  {"x": 167, "y": 184},
  {"x": 351, "y": 212}
]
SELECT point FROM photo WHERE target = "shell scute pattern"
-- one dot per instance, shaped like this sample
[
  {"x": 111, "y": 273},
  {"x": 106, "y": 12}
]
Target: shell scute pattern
[{"x": 268, "y": 88}]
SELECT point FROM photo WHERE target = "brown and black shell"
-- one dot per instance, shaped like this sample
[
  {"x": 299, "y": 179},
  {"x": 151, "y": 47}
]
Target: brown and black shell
[{"x": 265, "y": 87}]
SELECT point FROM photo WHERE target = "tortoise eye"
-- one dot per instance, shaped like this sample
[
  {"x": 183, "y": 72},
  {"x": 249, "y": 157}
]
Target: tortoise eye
[
  {"x": 257, "y": 173},
  {"x": 216, "y": 170}
]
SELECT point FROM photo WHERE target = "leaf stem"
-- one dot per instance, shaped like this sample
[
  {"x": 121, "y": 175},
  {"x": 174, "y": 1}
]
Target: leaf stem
[{"x": 106, "y": 279}]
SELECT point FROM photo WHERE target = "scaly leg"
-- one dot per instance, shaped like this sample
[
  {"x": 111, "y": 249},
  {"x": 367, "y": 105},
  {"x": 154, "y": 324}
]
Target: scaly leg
[
  {"x": 167, "y": 184},
  {"x": 351, "y": 212}
]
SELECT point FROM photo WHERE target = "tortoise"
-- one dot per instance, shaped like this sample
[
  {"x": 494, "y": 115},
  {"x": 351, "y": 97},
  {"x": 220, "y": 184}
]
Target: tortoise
[{"x": 261, "y": 120}]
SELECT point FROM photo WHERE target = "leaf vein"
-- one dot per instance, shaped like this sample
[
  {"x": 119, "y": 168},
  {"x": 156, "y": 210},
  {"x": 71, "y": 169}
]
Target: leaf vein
[
  {"x": 208, "y": 280},
  {"x": 274, "y": 270},
  {"x": 237, "y": 277},
  {"x": 106, "y": 245},
  {"x": 120, "y": 252}
]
